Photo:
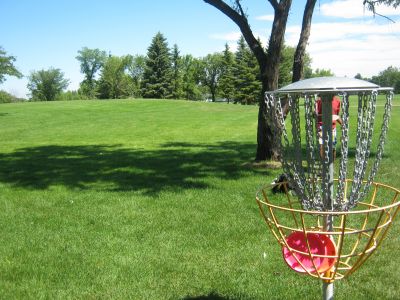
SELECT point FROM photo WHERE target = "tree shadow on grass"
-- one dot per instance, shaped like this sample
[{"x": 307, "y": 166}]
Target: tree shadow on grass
[{"x": 110, "y": 167}]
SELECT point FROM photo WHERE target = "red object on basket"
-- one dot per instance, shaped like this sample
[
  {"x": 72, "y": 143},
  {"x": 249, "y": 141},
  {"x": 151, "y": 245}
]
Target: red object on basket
[{"x": 320, "y": 244}]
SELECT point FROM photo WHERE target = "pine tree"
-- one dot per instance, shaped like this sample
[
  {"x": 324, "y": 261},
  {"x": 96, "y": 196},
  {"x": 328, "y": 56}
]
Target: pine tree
[
  {"x": 177, "y": 83},
  {"x": 246, "y": 72},
  {"x": 157, "y": 77},
  {"x": 226, "y": 84}
]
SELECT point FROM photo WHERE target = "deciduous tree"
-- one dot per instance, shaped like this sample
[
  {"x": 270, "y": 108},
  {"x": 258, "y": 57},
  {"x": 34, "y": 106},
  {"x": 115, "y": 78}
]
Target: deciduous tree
[
  {"x": 191, "y": 70},
  {"x": 91, "y": 61},
  {"x": 320, "y": 73},
  {"x": 390, "y": 77},
  {"x": 373, "y": 5},
  {"x": 210, "y": 73},
  {"x": 45, "y": 85},
  {"x": 114, "y": 82},
  {"x": 136, "y": 71},
  {"x": 7, "y": 66}
]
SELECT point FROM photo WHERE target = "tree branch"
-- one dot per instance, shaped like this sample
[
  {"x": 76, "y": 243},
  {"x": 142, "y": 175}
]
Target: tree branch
[
  {"x": 274, "y": 4},
  {"x": 240, "y": 7},
  {"x": 298, "y": 62},
  {"x": 370, "y": 4},
  {"x": 240, "y": 20}
]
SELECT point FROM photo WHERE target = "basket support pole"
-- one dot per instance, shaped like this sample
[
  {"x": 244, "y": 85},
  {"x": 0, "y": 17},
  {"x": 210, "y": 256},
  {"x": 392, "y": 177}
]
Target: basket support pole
[{"x": 327, "y": 176}]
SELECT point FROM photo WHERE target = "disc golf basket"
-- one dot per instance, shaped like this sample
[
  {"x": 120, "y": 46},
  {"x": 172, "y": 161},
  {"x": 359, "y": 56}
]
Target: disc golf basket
[{"x": 328, "y": 227}]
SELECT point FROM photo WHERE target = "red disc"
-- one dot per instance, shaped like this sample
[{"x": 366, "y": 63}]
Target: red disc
[{"x": 320, "y": 244}]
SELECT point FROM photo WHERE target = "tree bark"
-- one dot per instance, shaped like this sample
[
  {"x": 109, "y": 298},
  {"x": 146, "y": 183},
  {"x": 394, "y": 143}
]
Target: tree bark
[
  {"x": 269, "y": 75},
  {"x": 298, "y": 62}
]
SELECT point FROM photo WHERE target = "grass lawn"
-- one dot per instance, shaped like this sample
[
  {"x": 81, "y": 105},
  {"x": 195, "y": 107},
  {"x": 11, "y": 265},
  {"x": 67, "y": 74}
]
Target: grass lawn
[{"x": 152, "y": 199}]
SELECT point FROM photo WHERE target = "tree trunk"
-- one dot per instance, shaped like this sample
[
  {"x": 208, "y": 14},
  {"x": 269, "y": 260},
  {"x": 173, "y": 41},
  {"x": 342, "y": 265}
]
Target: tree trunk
[
  {"x": 269, "y": 75},
  {"x": 298, "y": 62}
]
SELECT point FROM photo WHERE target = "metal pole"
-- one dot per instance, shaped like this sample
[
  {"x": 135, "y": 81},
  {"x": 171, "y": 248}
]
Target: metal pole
[{"x": 327, "y": 176}]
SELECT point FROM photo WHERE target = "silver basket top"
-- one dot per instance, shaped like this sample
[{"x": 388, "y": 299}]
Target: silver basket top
[{"x": 330, "y": 85}]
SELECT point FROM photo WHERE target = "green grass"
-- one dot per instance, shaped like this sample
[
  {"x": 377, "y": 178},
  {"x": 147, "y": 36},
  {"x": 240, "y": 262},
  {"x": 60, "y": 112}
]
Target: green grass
[{"x": 151, "y": 200}]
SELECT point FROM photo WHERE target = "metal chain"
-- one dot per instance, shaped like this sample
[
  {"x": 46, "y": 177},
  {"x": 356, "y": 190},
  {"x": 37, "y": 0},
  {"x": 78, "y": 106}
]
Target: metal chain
[
  {"x": 305, "y": 183},
  {"x": 366, "y": 140},
  {"x": 312, "y": 153},
  {"x": 360, "y": 162},
  {"x": 282, "y": 140},
  {"x": 340, "y": 203},
  {"x": 380, "y": 148},
  {"x": 325, "y": 167},
  {"x": 296, "y": 139}
]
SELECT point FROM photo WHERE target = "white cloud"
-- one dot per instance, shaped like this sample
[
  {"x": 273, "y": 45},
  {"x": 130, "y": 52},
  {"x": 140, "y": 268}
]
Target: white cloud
[
  {"x": 265, "y": 18},
  {"x": 348, "y": 48},
  {"x": 341, "y": 30},
  {"x": 354, "y": 9},
  {"x": 231, "y": 36}
]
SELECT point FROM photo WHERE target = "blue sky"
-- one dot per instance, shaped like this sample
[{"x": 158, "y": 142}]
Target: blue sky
[{"x": 48, "y": 33}]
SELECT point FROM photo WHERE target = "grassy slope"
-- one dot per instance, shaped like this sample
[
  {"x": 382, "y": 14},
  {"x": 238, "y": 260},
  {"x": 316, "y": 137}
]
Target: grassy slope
[{"x": 149, "y": 200}]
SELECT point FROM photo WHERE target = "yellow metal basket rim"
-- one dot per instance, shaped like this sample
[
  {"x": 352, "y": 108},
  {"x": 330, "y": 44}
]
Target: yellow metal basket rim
[{"x": 315, "y": 212}]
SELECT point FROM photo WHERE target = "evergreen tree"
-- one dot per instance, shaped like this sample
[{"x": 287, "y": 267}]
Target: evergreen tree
[
  {"x": 157, "y": 76},
  {"x": 177, "y": 92},
  {"x": 246, "y": 72},
  {"x": 227, "y": 85}
]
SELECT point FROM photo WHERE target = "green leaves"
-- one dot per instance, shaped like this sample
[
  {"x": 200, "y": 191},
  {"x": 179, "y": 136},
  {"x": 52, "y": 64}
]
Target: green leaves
[
  {"x": 114, "y": 83},
  {"x": 390, "y": 77},
  {"x": 91, "y": 61},
  {"x": 7, "y": 66},
  {"x": 46, "y": 84}
]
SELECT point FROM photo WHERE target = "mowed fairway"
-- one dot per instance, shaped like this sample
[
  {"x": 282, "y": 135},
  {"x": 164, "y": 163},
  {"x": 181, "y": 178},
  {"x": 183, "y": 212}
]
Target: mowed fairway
[{"x": 152, "y": 199}]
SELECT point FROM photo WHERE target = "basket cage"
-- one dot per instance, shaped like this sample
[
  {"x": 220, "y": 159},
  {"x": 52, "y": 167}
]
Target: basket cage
[{"x": 358, "y": 210}]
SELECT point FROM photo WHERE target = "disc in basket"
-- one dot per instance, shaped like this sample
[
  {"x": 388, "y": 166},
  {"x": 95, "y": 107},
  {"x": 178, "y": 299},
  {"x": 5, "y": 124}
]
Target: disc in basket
[{"x": 320, "y": 244}]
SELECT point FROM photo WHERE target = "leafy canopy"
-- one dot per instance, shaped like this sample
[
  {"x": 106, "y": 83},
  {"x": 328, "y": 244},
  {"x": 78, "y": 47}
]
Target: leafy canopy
[
  {"x": 46, "y": 84},
  {"x": 114, "y": 82},
  {"x": 7, "y": 66}
]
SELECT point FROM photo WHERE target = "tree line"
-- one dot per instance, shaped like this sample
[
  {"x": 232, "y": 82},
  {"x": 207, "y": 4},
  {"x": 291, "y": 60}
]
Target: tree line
[{"x": 166, "y": 74}]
